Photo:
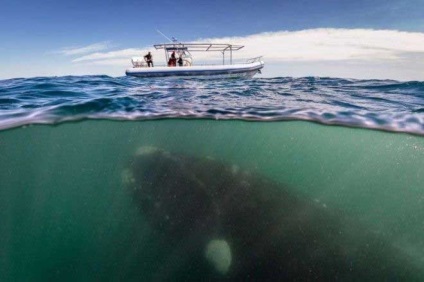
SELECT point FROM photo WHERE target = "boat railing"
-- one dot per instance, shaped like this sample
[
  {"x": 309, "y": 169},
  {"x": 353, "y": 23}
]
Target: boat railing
[
  {"x": 141, "y": 64},
  {"x": 255, "y": 59}
]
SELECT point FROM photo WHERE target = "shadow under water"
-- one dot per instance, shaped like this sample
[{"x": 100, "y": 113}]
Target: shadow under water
[
  {"x": 210, "y": 200},
  {"x": 222, "y": 223}
]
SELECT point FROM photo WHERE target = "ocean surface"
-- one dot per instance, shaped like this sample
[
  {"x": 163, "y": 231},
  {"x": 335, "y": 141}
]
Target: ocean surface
[{"x": 351, "y": 150}]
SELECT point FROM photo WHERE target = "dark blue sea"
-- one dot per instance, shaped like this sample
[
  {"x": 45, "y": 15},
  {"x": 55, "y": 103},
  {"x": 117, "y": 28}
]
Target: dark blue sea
[
  {"x": 378, "y": 104},
  {"x": 268, "y": 179}
]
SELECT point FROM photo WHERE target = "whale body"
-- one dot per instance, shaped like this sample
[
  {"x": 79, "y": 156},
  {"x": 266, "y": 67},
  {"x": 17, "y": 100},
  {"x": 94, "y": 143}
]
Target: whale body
[{"x": 221, "y": 223}]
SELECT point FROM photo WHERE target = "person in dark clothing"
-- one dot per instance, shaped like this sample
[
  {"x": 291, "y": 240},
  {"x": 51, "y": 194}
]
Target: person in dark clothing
[
  {"x": 173, "y": 60},
  {"x": 180, "y": 61},
  {"x": 148, "y": 59}
]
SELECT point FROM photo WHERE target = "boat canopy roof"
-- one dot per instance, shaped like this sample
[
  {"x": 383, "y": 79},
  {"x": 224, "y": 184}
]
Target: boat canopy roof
[{"x": 199, "y": 47}]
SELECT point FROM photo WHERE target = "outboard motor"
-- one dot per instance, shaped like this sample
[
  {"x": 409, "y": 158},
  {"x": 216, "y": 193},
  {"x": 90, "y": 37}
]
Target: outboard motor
[{"x": 138, "y": 62}]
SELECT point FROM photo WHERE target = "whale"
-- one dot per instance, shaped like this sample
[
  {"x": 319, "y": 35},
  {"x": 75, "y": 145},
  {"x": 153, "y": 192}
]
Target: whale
[{"x": 219, "y": 222}]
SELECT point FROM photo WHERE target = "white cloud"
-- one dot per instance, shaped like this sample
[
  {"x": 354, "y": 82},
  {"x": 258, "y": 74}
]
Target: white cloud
[
  {"x": 329, "y": 44},
  {"x": 125, "y": 53},
  {"x": 307, "y": 45},
  {"x": 112, "y": 62},
  {"x": 71, "y": 51},
  {"x": 355, "y": 53}
]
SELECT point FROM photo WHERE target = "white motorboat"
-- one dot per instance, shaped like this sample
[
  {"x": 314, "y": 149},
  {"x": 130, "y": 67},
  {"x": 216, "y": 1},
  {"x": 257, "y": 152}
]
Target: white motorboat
[{"x": 186, "y": 67}]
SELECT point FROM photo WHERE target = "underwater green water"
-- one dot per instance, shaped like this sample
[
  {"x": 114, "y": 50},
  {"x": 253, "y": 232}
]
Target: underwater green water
[{"x": 66, "y": 215}]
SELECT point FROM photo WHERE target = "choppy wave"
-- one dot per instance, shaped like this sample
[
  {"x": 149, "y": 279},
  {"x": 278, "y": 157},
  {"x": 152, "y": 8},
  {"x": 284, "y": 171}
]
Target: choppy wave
[{"x": 379, "y": 104}]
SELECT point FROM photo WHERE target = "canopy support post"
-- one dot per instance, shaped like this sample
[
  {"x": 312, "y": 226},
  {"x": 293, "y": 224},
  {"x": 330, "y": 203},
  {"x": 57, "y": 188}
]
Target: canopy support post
[{"x": 231, "y": 54}]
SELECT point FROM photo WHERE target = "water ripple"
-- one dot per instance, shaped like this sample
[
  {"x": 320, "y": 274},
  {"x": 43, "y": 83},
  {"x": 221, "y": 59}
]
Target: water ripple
[{"x": 379, "y": 104}]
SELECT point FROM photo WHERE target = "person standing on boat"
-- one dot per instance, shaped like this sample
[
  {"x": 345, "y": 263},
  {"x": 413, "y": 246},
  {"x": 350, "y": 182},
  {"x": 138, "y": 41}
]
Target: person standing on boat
[
  {"x": 149, "y": 59},
  {"x": 172, "y": 61},
  {"x": 180, "y": 61}
]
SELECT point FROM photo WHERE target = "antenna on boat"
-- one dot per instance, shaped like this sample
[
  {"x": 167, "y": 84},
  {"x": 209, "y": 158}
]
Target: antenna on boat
[{"x": 164, "y": 35}]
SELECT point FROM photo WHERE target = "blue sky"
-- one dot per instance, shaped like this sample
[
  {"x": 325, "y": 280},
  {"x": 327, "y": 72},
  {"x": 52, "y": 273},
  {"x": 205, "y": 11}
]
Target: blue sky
[{"x": 34, "y": 34}]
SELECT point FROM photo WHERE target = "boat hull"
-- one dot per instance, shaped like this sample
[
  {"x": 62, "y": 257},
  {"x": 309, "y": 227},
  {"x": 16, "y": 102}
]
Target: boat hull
[{"x": 220, "y": 71}]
